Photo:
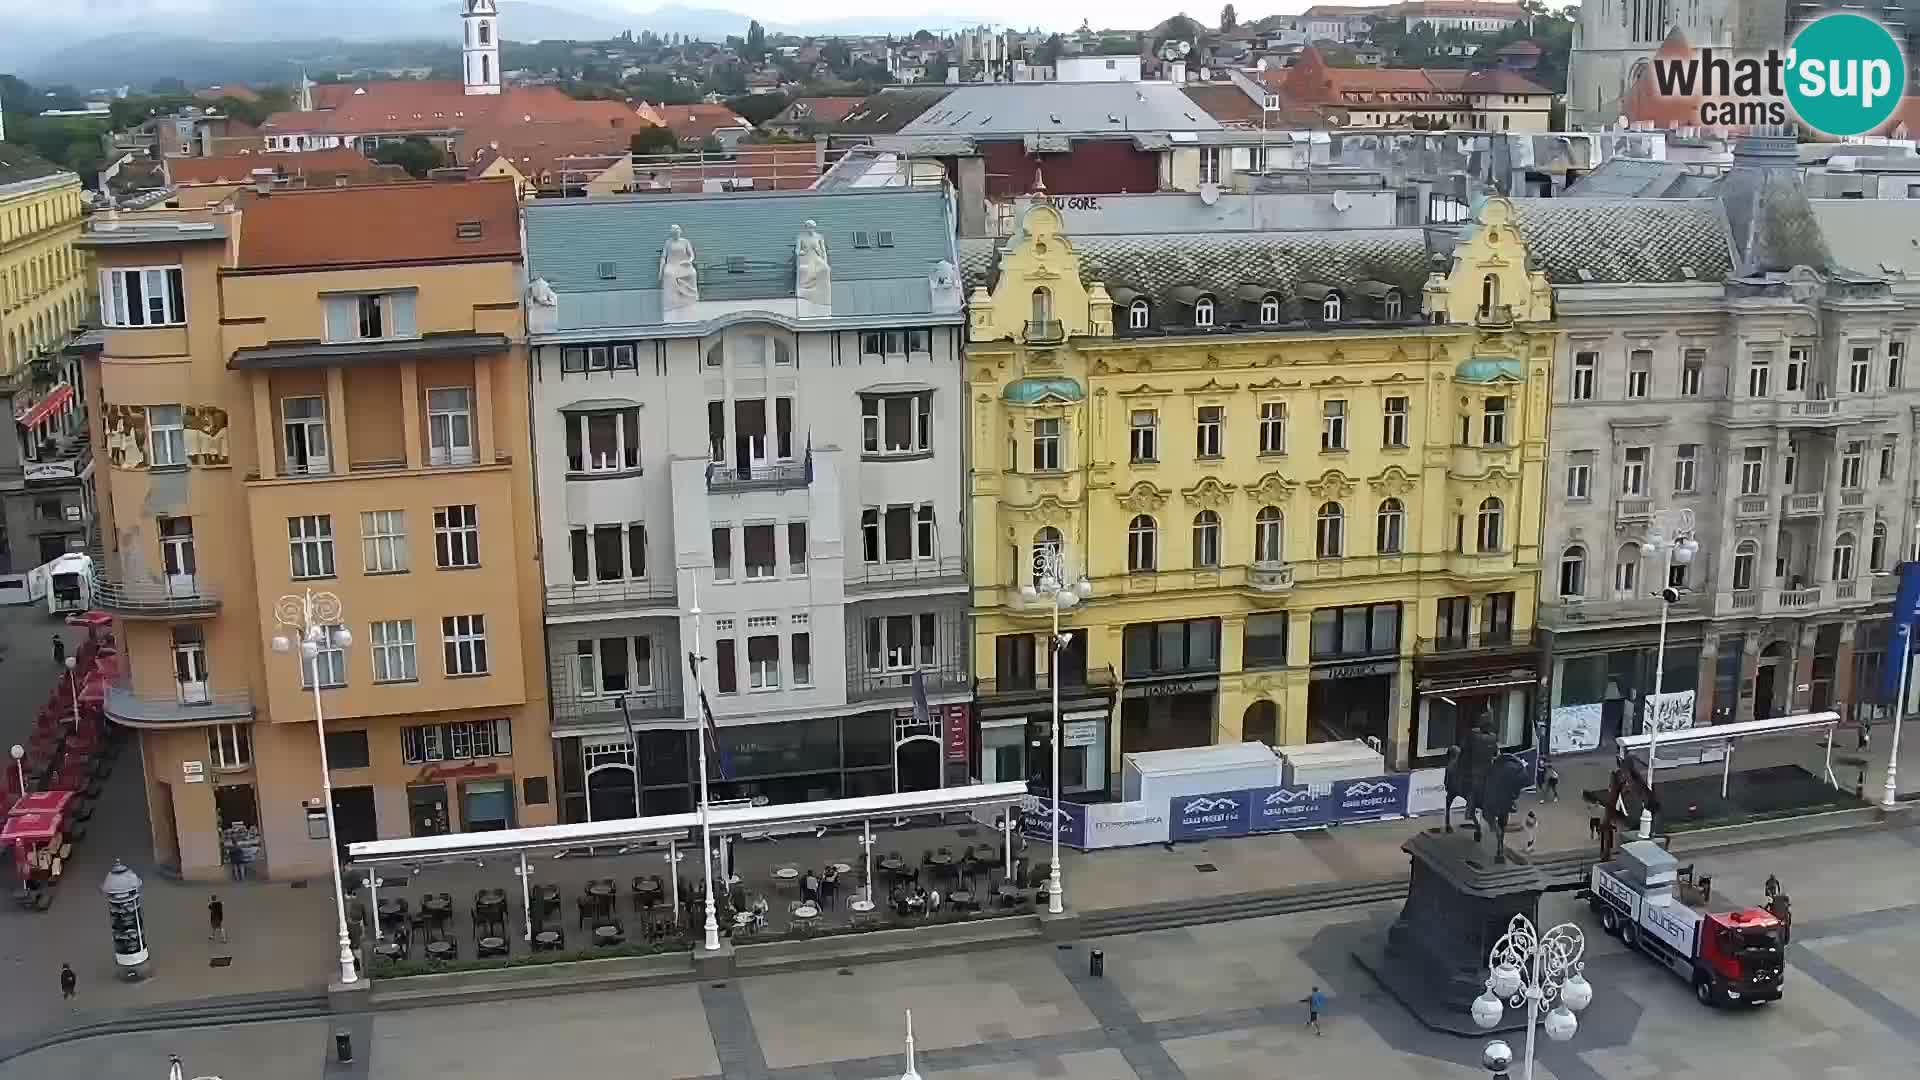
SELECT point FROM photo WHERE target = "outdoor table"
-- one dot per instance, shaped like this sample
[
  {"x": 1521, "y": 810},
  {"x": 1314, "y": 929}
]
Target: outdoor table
[
  {"x": 960, "y": 898},
  {"x": 806, "y": 911},
  {"x": 606, "y": 935},
  {"x": 599, "y": 889},
  {"x": 893, "y": 862},
  {"x": 861, "y": 907},
  {"x": 786, "y": 873},
  {"x": 436, "y": 905},
  {"x": 941, "y": 858},
  {"x": 439, "y": 950},
  {"x": 493, "y": 943},
  {"x": 649, "y": 884},
  {"x": 393, "y": 909},
  {"x": 841, "y": 868},
  {"x": 548, "y": 939},
  {"x": 387, "y": 950}
]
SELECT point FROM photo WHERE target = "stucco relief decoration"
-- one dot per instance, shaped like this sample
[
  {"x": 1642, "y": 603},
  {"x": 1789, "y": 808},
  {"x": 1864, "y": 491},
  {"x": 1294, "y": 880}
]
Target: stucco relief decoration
[
  {"x": 1208, "y": 494},
  {"x": 1755, "y": 529},
  {"x": 1213, "y": 386},
  {"x": 1493, "y": 478},
  {"x": 125, "y": 428},
  {"x": 1332, "y": 484},
  {"x": 1143, "y": 498},
  {"x": 1272, "y": 488},
  {"x": 206, "y": 435},
  {"x": 1047, "y": 509},
  {"x": 1393, "y": 480}
]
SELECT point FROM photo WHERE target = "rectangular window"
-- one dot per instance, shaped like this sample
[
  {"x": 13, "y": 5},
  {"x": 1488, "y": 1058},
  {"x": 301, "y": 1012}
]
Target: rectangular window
[
  {"x": 1860, "y": 371},
  {"x": 1498, "y": 625},
  {"x": 1580, "y": 474},
  {"x": 1169, "y": 648},
  {"x": 923, "y": 531},
  {"x": 393, "y": 655},
  {"x": 1753, "y": 470},
  {"x": 1851, "y": 465},
  {"x": 763, "y": 662},
  {"x": 801, "y": 659},
  {"x": 457, "y": 741},
  {"x": 166, "y": 435},
  {"x": 720, "y": 541},
  {"x": 1586, "y": 373},
  {"x": 465, "y": 640},
  {"x": 1896, "y": 364},
  {"x": 1692, "y": 363},
  {"x": 143, "y": 297},
  {"x": 1888, "y": 458},
  {"x": 369, "y": 316},
  {"x": 757, "y": 542},
  {"x": 797, "y": 548},
  {"x": 1685, "y": 459},
  {"x": 605, "y": 440},
  {"x": 1493, "y": 422},
  {"x": 1273, "y": 427},
  {"x": 1640, "y": 373},
  {"x": 1633, "y": 471},
  {"x": 870, "y": 534},
  {"x": 1333, "y": 426},
  {"x": 1208, "y": 426},
  {"x": 1046, "y": 445},
  {"x": 456, "y": 536},
  {"x": 348, "y": 750},
  {"x": 897, "y": 423},
  {"x": 1144, "y": 437},
  {"x": 450, "y": 426},
  {"x": 230, "y": 746},
  {"x": 726, "y": 675},
  {"x": 1355, "y": 631},
  {"x": 383, "y": 541},
  {"x": 311, "y": 540},
  {"x": 1393, "y": 423},
  {"x": 1796, "y": 370},
  {"x": 329, "y": 664},
  {"x": 1453, "y": 622},
  {"x": 303, "y": 429},
  {"x": 1210, "y": 165},
  {"x": 899, "y": 534},
  {"x": 1760, "y": 375},
  {"x": 1266, "y": 641}
]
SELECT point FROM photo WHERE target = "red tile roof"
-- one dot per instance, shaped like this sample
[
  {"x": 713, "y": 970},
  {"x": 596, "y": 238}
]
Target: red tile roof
[
  {"x": 693, "y": 123},
  {"x": 538, "y": 148},
  {"x": 817, "y": 110},
  {"x": 383, "y": 223},
  {"x": 239, "y": 167},
  {"x": 1225, "y": 102},
  {"x": 226, "y": 90},
  {"x": 1311, "y": 82},
  {"x": 399, "y": 105}
]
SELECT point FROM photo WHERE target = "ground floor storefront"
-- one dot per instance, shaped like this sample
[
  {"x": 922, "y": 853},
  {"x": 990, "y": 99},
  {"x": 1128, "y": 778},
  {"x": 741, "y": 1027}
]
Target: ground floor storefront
[
  {"x": 1455, "y": 691},
  {"x": 245, "y": 799}
]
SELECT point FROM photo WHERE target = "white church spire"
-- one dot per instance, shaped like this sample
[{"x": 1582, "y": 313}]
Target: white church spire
[{"x": 480, "y": 46}]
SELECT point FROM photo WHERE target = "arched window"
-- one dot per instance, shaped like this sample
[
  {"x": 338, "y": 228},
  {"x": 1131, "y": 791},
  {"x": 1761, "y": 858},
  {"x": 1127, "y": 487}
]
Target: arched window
[
  {"x": 486, "y": 68},
  {"x": 1330, "y": 531},
  {"x": 1269, "y": 310},
  {"x": 1492, "y": 516},
  {"x": 1042, "y": 306},
  {"x": 1143, "y": 542},
  {"x": 1745, "y": 556},
  {"x": 1139, "y": 315},
  {"x": 1206, "y": 539},
  {"x": 1573, "y": 571},
  {"x": 1203, "y": 312},
  {"x": 1843, "y": 557},
  {"x": 1489, "y": 293},
  {"x": 1877, "y": 549},
  {"x": 1390, "y": 305},
  {"x": 1047, "y": 546},
  {"x": 486, "y": 33},
  {"x": 1267, "y": 533},
  {"x": 1626, "y": 571},
  {"x": 1390, "y": 527},
  {"x": 1261, "y": 723},
  {"x": 1330, "y": 308}
]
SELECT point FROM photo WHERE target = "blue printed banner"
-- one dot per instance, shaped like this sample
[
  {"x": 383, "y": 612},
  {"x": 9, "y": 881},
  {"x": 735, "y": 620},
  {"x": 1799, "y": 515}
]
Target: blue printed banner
[
  {"x": 1371, "y": 798},
  {"x": 1222, "y": 813},
  {"x": 1035, "y": 824},
  {"x": 1296, "y": 807}
]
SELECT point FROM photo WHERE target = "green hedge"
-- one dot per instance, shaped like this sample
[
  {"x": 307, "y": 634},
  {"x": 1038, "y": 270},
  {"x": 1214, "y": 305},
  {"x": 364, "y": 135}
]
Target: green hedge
[{"x": 400, "y": 969}]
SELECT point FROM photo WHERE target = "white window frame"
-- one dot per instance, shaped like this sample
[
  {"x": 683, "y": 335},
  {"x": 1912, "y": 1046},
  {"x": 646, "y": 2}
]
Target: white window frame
[
  {"x": 1143, "y": 438},
  {"x": 1693, "y": 363},
  {"x": 1579, "y": 480},
  {"x": 762, "y": 674},
  {"x": 1393, "y": 422},
  {"x": 463, "y": 640},
  {"x": 1046, "y": 446},
  {"x": 1853, "y": 465},
  {"x": 230, "y": 746},
  {"x": 394, "y": 652},
  {"x": 1753, "y": 470},
  {"x": 329, "y": 662},
  {"x": 1143, "y": 545},
  {"x": 1686, "y": 457},
  {"x": 310, "y": 545},
  {"x": 1586, "y": 376},
  {"x": 1493, "y": 422},
  {"x": 1273, "y": 427},
  {"x": 1860, "y": 370},
  {"x": 1333, "y": 425},
  {"x": 447, "y": 421},
  {"x": 456, "y": 536},
  {"x": 1269, "y": 311},
  {"x": 1203, "y": 312},
  {"x": 1640, "y": 373},
  {"x": 114, "y": 309},
  {"x": 874, "y": 409},
  {"x": 1330, "y": 531},
  {"x": 1139, "y": 315},
  {"x": 383, "y": 541},
  {"x": 170, "y": 434},
  {"x": 617, "y": 463},
  {"x": 1210, "y": 165},
  {"x": 1209, "y": 431},
  {"x": 1633, "y": 470}
]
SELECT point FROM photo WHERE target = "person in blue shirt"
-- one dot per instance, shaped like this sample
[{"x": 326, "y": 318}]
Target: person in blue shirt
[{"x": 1315, "y": 1001}]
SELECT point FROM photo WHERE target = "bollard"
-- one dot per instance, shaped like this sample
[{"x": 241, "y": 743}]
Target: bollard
[
  {"x": 1096, "y": 963},
  {"x": 343, "y": 1046}
]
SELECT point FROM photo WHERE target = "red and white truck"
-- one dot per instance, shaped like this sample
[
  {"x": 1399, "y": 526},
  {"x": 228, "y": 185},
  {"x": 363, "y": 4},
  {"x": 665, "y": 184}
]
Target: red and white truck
[{"x": 1730, "y": 957}]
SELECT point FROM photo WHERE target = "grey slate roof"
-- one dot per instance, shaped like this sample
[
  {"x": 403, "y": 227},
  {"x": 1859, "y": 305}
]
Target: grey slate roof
[
  {"x": 1636, "y": 178},
  {"x": 19, "y": 164},
  {"x": 1772, "y": 225},
  {"x": 1626, "y": 240},
  {"x": 1104, "y": 108},
  {"x": 743, "y": 245},
  {"x": 1155, "y": 264},
  {"x": 1876, "y": 237},
  {"x": 891, "y": 109}
]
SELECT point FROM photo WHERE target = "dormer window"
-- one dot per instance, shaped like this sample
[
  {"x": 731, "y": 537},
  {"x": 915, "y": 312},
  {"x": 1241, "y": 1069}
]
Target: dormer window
[
  {"x": 1203, "y": 312},
  {"x": 1390, "y": 305},
  {"x": 1489, "y": 295},
  {"x": 1139, "y": 315},
  {"x": 1330, "y": 308},
  {"x": 1270, "y": 311}
]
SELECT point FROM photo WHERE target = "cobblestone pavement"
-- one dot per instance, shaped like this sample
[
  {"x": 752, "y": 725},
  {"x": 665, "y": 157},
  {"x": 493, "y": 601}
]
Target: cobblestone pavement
[{"x": 1215, "y": 1002}]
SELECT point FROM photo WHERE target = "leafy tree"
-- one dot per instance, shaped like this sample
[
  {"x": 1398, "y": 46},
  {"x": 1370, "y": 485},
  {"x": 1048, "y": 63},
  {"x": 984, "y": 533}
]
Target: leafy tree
[
  {"x": 1229, "y": 19},
  {"x": 937, "y": 69},
  {"x": 416, "y": 155},
  {"x": 757, "y": 109},
  {"x": 1049, "y": 51},
  {"x": 654, "y": 140},
  {"x": 922, "y": 37},
  {"x": 1178, "y": 28},
  {"x": 712, "y": 145},
  {"x": 756, "y": 40}
]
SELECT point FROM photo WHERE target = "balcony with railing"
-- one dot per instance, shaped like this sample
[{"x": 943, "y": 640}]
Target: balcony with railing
[
  {"x": 897, "y": 685},
  {"x": 1803, "y": 504},
  {"x": 1270, "y": 577},
  {"x": 176, "y": 703},
  {"x": 1044, "y": 332},
  {"x": 1751, "y": 507},
  {"x": 1510, "y": 640},
  {"x": 906, "y": 576},
  {"x": 769, "y": 476},
  {"x": 1073, "y": 681},
  {"x": 1633, "y": 508},
  {"x": 179, "y": 597},
  {"x": 587, "y": 597},
  {"x": 574, "y": 711}
]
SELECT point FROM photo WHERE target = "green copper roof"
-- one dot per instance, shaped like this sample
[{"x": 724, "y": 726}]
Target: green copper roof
[
  {"x": 1034, "y": 389},
  {"x": 1485, "y": 369}
]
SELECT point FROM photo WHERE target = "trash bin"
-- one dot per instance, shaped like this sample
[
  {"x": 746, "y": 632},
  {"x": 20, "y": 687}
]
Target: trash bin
[
  {"x": 343, "y": 1046},
  {"x": 1096, "y": 963}
]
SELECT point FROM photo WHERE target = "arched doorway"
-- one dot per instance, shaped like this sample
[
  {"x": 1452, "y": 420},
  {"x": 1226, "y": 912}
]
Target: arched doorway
[
  {"x": 610, "y": 779},
  {"x": 1773, "y": 672},
  {"x": 1261, "y": 723},
  {"x": 917, "y": 764}
]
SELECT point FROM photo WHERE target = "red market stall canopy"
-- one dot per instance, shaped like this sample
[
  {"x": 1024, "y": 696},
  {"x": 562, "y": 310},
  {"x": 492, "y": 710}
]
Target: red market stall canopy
[
  {"x": 37, "y": 413},
  {"x": 30, "y": 828},
  {"x": 42, "y": 802},
  {"x": 90, "y": 618}
]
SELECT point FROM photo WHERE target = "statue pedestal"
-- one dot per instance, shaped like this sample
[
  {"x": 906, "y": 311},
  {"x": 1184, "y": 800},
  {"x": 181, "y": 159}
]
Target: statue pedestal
[{"x": 1434, "y": 958}]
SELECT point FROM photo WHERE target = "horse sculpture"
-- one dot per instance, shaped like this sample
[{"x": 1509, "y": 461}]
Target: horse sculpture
[{"x": 1489, "y": 782}]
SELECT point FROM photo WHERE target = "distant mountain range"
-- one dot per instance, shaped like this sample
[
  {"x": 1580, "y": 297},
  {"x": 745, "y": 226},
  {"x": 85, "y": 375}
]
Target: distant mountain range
[{"x": 117, "y": 42}]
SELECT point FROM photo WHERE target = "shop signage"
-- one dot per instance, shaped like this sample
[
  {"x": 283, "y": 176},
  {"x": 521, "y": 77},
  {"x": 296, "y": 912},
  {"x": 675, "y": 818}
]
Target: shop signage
[
  {"x": 1125, "y": 824},
  {"x": 1426, "y": 792},
  {"x": 1374, "y": 797},
  {"x": 49, "y": 470},
  {"x": 1354, "y": 671},
  {"x": 1081, "y": 732},
  {"x": 959, "y": 734},
  {"x": 1172, "y": 688},
  {"x": 1036, "y": 825},
  {"x": 1299, "y": 806},
  {"x": 1191, "y": 817},
  {"x": 193, "y": 772},
  {"x": 1575, "y": 728},
  {"x": 435, "y": 773}
]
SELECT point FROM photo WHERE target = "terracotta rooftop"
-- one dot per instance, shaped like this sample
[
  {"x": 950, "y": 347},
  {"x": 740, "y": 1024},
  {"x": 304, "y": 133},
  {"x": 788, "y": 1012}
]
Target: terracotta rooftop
[
  {"x": 239, "y": 167},
  {"x": 1311, "y": 81},
  {"x": 538, "y": 148},
  {"x": 817, "y": 110},
  {"x": 693, "y": 123},
  {"x": 352, "y": 109},
  {"x": 1225, "y": 102},
  {"x": 379, "y": 224}
]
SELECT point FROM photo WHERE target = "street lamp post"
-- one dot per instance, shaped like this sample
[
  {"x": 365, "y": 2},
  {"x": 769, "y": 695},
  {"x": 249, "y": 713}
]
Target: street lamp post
[
  {"x": 73, "y": 692},
  {"x": 1049, "y": 573},
  {"x": 1889, "y": 798},
  {"x": 315, "y": 617},
  {"x": 1670, "y": 537},
  {"x": 706, "y": 829},
  {"x": 1541, "y": 970},
  {"x": 19, "y": 767}
]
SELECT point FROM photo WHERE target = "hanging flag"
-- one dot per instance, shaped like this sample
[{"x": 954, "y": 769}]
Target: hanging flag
[
  {"x": 709, "y": 729},
  {"x": 922, "y": 712}
]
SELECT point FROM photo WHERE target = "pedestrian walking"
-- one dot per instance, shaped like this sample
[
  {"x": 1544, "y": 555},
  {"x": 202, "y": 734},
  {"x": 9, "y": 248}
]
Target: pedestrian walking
[
  {"x": 1531, "y": 830},
  {"x": 1315, "y": 1001},
  {"x": 1553, "y": 784},
  {"x": 216, "y": 920},
  {"x": 68, "y": 980},
  {"x": 59, "y": 651}
]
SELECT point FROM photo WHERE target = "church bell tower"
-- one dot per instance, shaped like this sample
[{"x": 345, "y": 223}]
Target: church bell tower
[{"x": 480, "y": 46}]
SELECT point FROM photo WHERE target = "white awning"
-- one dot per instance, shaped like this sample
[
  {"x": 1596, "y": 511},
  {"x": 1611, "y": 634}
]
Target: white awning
[
  {"x": 735, "y": 819},
  {"x": 1779, "y": 725}
]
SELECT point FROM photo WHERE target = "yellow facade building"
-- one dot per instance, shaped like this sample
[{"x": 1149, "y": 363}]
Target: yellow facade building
[
  {"x": 1301, "y": 473},
  {"x": 43, "y": 276},
  {"x": 321, "y": 392}
]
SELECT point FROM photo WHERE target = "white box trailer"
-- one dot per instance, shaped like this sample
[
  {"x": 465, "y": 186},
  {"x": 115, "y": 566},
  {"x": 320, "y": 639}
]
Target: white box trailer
[
  {"x": 1157, "y": 776},
  {"x": 1330, "y": 762},
  {"x": 1731, "y": 958}
]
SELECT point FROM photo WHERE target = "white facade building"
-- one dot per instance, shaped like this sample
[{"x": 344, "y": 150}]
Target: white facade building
[
  {"x": 480, "y": 46},
  {"x": 752, "y": 402}
]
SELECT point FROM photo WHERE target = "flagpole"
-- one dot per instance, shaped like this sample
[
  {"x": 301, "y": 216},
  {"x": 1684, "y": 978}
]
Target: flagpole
[{"x": 706, "y": 828}]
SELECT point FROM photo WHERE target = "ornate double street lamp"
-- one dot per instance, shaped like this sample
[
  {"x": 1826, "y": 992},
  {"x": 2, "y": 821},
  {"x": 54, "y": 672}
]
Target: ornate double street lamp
[
  {"x": 1671, "y": 538},
  {"x": 316, "y": 618},
  {"x": 1542, "y": 971},
  {"x": 1050, "y": 574}
]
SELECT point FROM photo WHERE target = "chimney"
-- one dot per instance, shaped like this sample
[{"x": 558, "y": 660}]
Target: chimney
[{"x": 262, "y": 181}]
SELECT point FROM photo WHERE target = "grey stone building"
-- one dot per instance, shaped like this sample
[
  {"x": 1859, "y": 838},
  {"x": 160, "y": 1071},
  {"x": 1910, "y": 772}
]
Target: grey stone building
[
  {"x": 46, "y": 469},
  {"x": 1743, "y": 354}
]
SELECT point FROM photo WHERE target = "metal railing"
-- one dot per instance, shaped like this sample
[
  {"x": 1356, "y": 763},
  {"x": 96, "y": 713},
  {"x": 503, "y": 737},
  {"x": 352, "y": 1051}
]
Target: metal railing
[
  {"x": 155, "y": 598},
  {"x": 1482, "y": 642},
  {"x": 644, "y": 591},
  {"x": 883, "y": 685},
  {"x": 1269, "y": 576},
  {"x": 770, "y": 477},
  {"x": 641, "y": 704},
  {"x": 186, "y": 703},
  {"x": 1047, "y": 331},
  {"x": 906, "y": 574},
  {"x": 1803, "y": 504},
  {"x": 1093, "y": 678}
]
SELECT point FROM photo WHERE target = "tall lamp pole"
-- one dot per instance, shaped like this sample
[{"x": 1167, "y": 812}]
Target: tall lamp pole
[
  {"x": 1541, "y": 970},
  {"x": 1670, "y": 537},
  {"x": 1049, "y": 581},
  {"x": 1889, "y": 798},
  {"x": 315, "y": 618},
  {"x": 706, "y": 828}
]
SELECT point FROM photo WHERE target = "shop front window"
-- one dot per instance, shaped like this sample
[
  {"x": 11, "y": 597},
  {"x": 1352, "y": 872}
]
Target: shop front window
[{"x": 488, "y": 805}]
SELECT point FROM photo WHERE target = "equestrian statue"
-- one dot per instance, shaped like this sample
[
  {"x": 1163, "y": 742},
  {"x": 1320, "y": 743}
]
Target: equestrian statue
[{"x": 1489, "y": 781}]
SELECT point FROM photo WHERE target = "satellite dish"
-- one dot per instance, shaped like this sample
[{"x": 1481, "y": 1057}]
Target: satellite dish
[
  {"x": 1209, "y": 193},
  {"x": 1341, "y": 202}
]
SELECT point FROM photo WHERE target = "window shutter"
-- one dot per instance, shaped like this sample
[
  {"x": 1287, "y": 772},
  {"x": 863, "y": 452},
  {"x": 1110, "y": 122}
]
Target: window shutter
[
  {"x": 1242, "y": 159},
  {"x": 108, "y": 316},
  {"x": 402, "y": 312},
  {"x": 340, "y": 318}
]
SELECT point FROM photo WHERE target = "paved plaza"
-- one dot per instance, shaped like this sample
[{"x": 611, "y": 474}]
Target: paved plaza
[{"x": 1208, "y": 1003}]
